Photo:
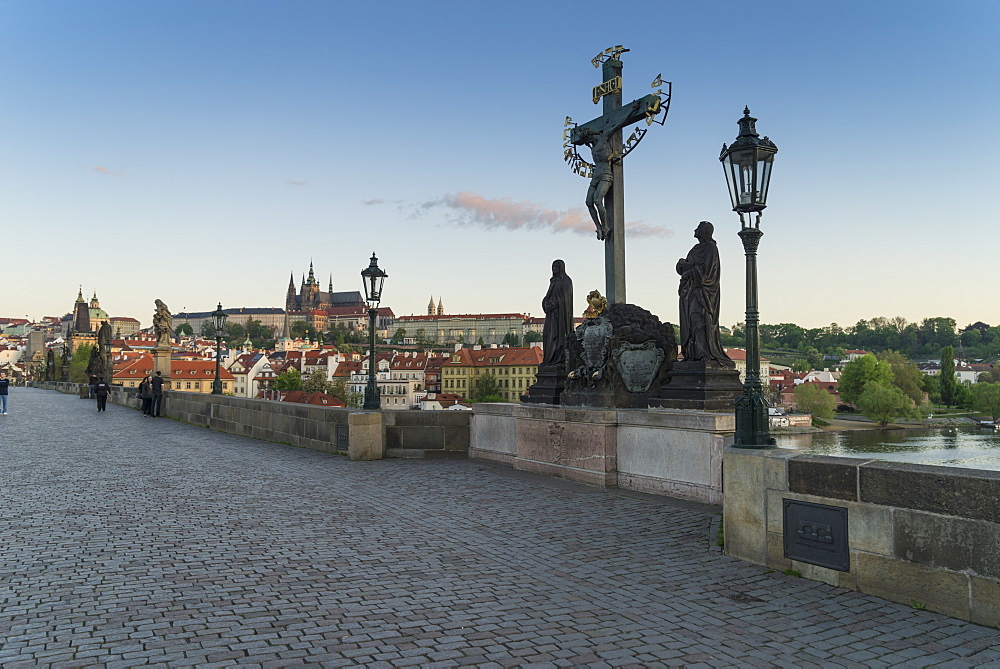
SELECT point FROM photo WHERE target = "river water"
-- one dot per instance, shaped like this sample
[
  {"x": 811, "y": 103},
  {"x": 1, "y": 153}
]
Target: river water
[{"x": 971, "y": 447}]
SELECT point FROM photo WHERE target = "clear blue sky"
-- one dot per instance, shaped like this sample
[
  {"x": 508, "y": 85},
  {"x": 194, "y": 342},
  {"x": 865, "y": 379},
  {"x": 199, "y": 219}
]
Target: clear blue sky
[{"x": 200, "y": 151}]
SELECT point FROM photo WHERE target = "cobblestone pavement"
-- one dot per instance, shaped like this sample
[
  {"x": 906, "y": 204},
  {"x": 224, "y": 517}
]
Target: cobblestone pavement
[{"x": 130, "y": 540}]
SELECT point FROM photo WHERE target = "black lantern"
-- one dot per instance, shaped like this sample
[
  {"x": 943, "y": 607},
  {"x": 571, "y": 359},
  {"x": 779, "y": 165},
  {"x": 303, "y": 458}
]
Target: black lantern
[
  {"x": 373, "y": 278},
  {"x": 109, "y": 369},
  {"x": 219, "y": 316},
  {"x": 747, "y": 163}
]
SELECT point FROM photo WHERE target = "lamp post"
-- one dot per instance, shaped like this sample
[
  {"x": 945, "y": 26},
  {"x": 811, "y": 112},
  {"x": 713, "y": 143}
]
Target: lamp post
[
  {"x": 109, "y": 365},
  {"x": 747, "y": 163},
  {"x": 373, "y": 278},
  {"x": 219, "y": 317}
]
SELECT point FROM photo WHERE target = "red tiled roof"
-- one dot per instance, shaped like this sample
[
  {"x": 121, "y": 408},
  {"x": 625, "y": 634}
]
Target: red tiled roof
[
  {"x": 498, "y": 357},
  {"x": 316, "y": 398},
  {"x": 474, "y": 317}
]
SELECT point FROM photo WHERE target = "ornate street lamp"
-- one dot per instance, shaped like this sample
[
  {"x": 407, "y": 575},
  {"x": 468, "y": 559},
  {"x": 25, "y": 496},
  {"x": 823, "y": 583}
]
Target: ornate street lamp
[
  {"x": 109, "y": 368},
  {"x": 219, "y": 316},
  {"x": 373, "y": 278},
  {"x": 747, "y": 163}
]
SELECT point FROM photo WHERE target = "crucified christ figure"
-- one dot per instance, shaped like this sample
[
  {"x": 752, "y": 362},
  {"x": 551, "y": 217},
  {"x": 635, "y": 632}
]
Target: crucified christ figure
[{"x": 600, "y": 143}]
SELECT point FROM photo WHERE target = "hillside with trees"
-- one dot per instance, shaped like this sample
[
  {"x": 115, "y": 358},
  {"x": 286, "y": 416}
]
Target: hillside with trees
[{"x": 915, "y": 341}]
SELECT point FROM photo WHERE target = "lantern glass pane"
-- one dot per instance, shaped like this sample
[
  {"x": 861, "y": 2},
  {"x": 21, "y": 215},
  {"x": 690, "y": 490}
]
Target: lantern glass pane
[
  {"x": 745, "y": 177},
  {"x": 727, "y": 167},
  {"x": 765, "y": 161}
]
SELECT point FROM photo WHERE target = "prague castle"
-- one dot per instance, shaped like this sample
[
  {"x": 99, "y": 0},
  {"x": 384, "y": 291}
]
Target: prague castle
[{"x": 310, "y": 297}]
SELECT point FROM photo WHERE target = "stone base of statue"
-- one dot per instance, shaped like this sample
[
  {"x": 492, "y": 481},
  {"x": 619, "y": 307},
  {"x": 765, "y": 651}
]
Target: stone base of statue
[
  {"x": 161, "y": 363},
  {"x": 548, "y": 387},
  {"x": 618, "y": 359},
  {"x": 661, "y": 451},
  {"x": 698, "y": 384}
]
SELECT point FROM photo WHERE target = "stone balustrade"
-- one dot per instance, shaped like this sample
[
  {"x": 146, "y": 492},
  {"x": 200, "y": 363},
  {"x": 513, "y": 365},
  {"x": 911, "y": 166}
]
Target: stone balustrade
[{"x": 918, "y": 534}]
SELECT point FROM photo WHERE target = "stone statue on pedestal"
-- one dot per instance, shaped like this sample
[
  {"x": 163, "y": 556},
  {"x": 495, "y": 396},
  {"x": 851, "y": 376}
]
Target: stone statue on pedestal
[
  {"x": 162, "y": 324},
  {"x": 104, "y": 348},
  {"x": 699, "y": 300},
  {"x": 558, "y": 307},
  {"x": 706, "y": 379},
  {"x": 163, "y": 328},
  {"x": 64, "y": 367}
]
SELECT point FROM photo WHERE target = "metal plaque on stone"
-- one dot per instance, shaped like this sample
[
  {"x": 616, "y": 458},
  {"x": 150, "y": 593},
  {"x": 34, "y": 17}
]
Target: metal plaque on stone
[
  {"x": 595, "y": 338},
  {"x": 638, "y": 364},
  {"x": 816, "y": 534},
  {"x": 342, "y": 437}
]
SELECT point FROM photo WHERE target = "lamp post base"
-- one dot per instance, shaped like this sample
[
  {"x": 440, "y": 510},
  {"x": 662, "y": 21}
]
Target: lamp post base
[
  {"x": 372, "y": 400},
  {"x": 752, "y": 422}
]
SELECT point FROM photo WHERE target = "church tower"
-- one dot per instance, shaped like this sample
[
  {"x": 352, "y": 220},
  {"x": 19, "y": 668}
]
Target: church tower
[
  {"x": 440, "y": 307},
  {"x": 291, "y": 299},
  {"x": 81, "y": 313},
  {"x": 430, "y": 307},
  {"x": 310, "y": 291}
]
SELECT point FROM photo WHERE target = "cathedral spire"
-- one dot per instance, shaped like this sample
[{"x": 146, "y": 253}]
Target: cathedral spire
[
  {"x": 312, "y": 277},
  {"x": 291, "y": 281},
  {"x": 430, "y": 307},
  {"x": 440, "y": 307},
  {"x": 331, "y": 285}
]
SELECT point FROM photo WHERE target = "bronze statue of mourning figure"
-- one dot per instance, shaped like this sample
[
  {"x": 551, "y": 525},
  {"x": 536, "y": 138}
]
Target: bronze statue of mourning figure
[
  {"x": 706, "y": 378},
  {"x": 558, "y": 307}
]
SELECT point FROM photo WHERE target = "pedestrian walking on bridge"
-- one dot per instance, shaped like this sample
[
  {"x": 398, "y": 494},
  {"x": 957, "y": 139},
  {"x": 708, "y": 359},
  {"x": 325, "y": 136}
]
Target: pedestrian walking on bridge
[
  {"x": 101, "y": 391},
  {"x": 4, "y": 385}
]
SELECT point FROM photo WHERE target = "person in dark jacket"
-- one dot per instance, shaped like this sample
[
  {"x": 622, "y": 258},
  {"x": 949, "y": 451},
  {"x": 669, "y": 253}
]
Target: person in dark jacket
[
  {"x": 4, "y": 385},
  {"x": 157, "y": 385},
  {"x": 91, "y": 382},
  {"x": 146, "y": 394},
  {"x": 101, "y": 391}
]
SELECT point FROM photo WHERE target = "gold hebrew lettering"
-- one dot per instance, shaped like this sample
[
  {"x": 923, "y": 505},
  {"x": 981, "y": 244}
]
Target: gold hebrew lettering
[
  {"x": 657, "y": 82},
  {"x": 568, "y": 121}
]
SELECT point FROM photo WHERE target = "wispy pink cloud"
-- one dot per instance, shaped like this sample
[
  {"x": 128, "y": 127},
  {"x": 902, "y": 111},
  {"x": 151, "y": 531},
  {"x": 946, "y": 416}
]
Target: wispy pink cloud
[
  {"x": 472, "y": 209},
  {"x": 295, "y": 183},
  {"x": 105, "y": 170}
]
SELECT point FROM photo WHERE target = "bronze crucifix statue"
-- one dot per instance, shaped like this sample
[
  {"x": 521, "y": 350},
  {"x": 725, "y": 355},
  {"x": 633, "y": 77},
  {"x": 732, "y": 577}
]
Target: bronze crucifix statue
[{"x": 603, "y": 135}]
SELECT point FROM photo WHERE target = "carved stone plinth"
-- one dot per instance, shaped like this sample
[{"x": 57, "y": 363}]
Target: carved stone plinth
[
  {"x": 696, "y": 384},
  {"x": 549, "y": 385},
  {"x": 161, "y": 363},
  {"x": 618, "y": 359}
]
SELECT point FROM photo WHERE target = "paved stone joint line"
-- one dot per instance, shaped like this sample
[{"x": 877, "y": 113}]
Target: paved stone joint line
[{"x": 129, "y": 541}]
